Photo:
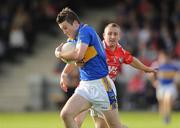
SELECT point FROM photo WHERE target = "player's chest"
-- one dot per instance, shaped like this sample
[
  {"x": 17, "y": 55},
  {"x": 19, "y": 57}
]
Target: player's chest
[{"x": 114, "y": 58}]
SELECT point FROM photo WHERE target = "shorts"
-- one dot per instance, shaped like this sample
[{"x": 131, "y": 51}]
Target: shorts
[
  {"x": 166, "y": 89},
  {"x": 101, "y": 93},
  {"x": 95, "y": 113}
]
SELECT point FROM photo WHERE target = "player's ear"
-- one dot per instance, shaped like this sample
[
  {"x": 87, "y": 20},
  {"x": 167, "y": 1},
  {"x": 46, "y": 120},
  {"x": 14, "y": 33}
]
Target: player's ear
[
  {"x": 76, "y": 23},
  {"x": 103, "y": 35}
]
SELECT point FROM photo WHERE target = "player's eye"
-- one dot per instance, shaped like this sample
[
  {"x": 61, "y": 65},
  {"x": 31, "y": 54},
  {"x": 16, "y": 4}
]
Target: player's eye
[
  {"x": 115, "y": 34},
  {"x": 110, "y": 33}
]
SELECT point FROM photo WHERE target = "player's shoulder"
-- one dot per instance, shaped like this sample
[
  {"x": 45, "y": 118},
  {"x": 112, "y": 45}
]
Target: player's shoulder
[
  {"x": 120, "y": 48},
  {"x": 155, "y": 64},
  {"x": 86, "y": 28}
]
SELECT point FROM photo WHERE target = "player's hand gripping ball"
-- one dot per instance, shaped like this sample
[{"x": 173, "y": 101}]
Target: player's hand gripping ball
[{"x": 65, "y": 48}]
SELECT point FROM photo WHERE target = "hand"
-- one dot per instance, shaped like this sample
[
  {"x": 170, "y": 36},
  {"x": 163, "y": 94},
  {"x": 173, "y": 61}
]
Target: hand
[
  {"x": 63, "y": 84},
  {"x": 58, "y": 50},
  {"x": 154, "y": 71}
]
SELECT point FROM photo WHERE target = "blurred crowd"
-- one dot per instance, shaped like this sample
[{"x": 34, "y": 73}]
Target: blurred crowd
[
  {"x": 146, "y": 24},
  {"x": 20, "y": 23}
]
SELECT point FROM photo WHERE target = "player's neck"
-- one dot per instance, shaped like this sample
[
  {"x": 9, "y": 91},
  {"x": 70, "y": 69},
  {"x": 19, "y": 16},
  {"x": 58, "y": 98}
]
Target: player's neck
[{"x": 112, "y": 48}]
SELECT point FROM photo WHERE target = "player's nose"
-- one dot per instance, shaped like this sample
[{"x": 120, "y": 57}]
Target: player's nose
[{"x": 113, "y": 36}]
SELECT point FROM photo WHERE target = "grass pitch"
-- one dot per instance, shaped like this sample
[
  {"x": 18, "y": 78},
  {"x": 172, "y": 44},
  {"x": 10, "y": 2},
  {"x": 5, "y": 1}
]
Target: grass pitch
[{"x": 52, "y": 120}]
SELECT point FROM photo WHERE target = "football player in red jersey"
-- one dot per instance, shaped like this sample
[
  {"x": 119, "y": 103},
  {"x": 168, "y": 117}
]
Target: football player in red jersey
[{"x": 116, "y": 56}]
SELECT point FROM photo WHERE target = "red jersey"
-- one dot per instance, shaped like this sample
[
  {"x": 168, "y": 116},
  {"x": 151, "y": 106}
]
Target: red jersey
[{"x": 116, "y": 58}]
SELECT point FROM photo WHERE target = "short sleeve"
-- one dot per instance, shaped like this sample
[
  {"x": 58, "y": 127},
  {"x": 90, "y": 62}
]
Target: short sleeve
[
  {"x": 84, "y": 35},
  {"x": 128, "y": 58}
]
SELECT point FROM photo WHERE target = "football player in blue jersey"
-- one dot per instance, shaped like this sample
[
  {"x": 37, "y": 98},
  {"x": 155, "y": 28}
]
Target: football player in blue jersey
[
  {"x": 164, "y": 83},
  {"x": 96, "y": 90}
]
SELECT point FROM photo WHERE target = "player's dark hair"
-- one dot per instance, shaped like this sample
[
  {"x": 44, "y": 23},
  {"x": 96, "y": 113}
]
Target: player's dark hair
[{"x": 67, "y": 15}]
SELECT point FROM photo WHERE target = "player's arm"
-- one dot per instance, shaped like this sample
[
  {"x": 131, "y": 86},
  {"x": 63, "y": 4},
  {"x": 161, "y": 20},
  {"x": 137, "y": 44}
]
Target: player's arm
[
  {"x": 177, "y": 79},
  {"x": 153, "y": 79},
  {"x": 134, "y": 62},
  {"x": 139, "y": 65},
  {"x": 76, "y": 54},
  {"x": 64, "y": 75}
]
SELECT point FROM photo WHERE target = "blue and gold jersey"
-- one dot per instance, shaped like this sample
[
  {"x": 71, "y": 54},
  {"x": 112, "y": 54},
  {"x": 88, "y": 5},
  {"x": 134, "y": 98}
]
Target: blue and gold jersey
[
  {"x": 95, "y": 66},
  {"x": 167, "y": 73}
]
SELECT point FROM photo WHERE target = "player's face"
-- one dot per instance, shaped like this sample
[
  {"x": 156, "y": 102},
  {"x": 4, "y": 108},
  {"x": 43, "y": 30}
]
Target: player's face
[
  {"x": 111, "y": 36},
  {"x": 68, "y": 29}
]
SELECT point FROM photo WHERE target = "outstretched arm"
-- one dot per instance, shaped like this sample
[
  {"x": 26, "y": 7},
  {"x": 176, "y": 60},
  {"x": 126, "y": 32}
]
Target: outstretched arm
[{"x": 139, "y": 65}]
